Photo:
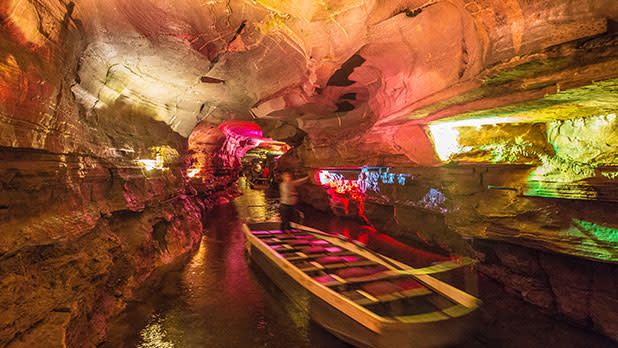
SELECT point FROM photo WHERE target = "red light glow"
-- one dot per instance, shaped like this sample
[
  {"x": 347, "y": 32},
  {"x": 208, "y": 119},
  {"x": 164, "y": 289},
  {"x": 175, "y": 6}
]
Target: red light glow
[{"x": 343, "y": 190}]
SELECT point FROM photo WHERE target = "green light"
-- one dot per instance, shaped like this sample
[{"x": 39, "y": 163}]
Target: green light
[
  {"x": 603, "y": 233},
  {"x": 446, "y": 136},
  {"x": 610, "y": 175},
  {"x": 596, "y": 240}
]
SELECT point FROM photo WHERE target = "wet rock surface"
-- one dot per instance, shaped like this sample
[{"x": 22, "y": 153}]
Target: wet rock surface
[{"x": 115, "y": 136}]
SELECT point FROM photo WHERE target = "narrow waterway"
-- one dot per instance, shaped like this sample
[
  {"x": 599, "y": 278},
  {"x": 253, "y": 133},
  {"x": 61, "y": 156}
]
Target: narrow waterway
[{"x": 218, "y": 300}]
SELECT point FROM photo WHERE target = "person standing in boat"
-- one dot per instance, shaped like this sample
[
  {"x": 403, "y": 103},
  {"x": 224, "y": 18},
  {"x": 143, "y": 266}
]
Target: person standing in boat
[{"x": 289, "y": 197}]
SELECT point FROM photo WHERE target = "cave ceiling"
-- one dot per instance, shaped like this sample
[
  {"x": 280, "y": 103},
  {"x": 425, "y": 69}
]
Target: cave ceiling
[{"x": 370, "y": 72}]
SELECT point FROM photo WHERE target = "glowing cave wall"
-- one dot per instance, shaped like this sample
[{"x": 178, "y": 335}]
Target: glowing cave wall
[{"x": 100, "y": 99}]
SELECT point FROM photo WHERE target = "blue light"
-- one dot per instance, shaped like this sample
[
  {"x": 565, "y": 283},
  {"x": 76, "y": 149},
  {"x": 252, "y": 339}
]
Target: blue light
[{"x": 369, "y": 178}]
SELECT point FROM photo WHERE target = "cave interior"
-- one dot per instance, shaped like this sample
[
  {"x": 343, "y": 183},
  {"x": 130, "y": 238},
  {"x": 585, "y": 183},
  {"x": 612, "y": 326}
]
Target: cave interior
[{"x": 484, "y": 128}]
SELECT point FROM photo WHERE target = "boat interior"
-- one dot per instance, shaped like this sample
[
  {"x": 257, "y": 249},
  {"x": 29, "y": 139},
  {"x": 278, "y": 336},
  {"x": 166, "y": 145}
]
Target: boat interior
[{"x": 379, "y": 287}]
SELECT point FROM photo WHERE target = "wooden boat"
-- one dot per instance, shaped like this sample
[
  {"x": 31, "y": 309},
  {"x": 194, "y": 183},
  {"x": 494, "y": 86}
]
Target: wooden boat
[{"x": 364, "y": 298}]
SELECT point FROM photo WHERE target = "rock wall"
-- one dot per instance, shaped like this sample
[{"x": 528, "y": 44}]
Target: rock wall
[
  {"x": 499, "y": 117},
  {"x": 79, "y": 234},
  {"x": 91, "y": 200},
  {"x": 557, "y": 253},
  {"x": 583, "y": 291}
]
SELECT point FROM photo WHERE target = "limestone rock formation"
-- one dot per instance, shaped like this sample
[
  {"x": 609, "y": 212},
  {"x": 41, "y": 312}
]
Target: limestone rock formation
[{"x": 121, "y": 121}]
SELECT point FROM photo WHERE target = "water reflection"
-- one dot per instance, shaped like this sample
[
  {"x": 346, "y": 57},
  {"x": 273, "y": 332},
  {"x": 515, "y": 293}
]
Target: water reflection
[
  {"x": 154, "y": 335},
  {"x": 218, "y": 300},
  {"x": 256, "y": 205}
]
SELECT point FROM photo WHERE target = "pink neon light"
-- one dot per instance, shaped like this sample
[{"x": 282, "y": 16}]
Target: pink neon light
[
  {"x": 350, "y": 258},
  {"x": 241, "y": 128}
]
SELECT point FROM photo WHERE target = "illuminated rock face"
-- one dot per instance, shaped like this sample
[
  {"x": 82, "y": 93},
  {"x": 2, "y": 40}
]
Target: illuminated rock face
[
  {"x": 215, "y": 156},
  {"x": 79, "y": 234},
  {"x": 502, "y": 113}
]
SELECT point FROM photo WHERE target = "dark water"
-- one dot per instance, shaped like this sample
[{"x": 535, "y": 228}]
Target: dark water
[{"x": 218, "y": 300}]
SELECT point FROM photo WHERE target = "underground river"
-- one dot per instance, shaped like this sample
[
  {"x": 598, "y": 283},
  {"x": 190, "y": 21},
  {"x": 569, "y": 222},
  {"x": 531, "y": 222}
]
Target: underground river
[{"x": 218, "y": 300}]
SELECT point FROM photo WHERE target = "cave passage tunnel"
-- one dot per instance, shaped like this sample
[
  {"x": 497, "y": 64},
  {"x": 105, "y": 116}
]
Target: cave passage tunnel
[{"x": 465, "y": 152}]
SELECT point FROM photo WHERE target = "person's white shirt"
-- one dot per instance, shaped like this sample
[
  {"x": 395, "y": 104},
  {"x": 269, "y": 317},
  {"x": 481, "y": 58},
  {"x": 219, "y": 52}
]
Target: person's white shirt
[{"x": 287, "y": 191}]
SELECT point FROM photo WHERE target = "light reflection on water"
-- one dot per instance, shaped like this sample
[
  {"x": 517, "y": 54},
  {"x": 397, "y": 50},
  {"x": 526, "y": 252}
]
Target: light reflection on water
[
  {"x": 256, "y": 205},
  {"x": 217, "y": 299},
  {"x": 154, "y": 335}
]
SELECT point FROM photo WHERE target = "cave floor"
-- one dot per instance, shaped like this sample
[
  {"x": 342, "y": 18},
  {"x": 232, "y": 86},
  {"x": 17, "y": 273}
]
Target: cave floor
[{"x": 218, "y": 300}]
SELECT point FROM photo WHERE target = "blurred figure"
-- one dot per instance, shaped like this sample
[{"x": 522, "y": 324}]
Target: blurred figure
[{"x": 289, "y": 197}]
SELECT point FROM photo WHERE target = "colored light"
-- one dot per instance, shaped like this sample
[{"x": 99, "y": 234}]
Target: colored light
[
  {"x": 369, "y": 178},
  {"x": 601, "y": 232},
  {"x": 156, "y": 163},
  {"x": 343, "y": 189},
  {"x": 433, "y": 200},
  {"x": 610, "y": 175},
  {"x": 151, "y": 164},
  {"x": 445, "y": 135},
  {"x": 24, "y": 15},
  {"x": 192, "y": 172},
  {"x": 600, "y": 240}
]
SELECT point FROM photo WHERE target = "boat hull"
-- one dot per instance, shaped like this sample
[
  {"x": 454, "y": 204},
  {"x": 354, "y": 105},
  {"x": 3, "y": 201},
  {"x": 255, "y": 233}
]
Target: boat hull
[{"x": 417, "y": 335}]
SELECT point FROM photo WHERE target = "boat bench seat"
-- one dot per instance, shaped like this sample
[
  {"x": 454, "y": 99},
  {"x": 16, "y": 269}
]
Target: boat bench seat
[
  {"x": 383, "y": 291},
  {"x": 393, "y": 296},
  {"x": 354, "y": 273},
  {"x": 329, "y": 280},
  {"x": 272, "y": 240},
  {"x": 348, "y": 264},
  {"x": 288, "y": 236},
  {"x": 360, "y": 297},
  {"x": 370, "y": 278},
  {"x": 282, "y": 248},
  {"x": 298, "y": 242},
  {"x": 316, "y": 266},
  {"x": 301, "y": 255}
]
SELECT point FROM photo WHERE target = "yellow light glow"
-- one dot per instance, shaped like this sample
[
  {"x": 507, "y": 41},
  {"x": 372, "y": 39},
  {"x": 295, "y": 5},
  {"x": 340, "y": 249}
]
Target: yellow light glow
[
  {"x": 24, "y": 15},
  {"x": 148, "y": 164},
  {"x": 156, "y": 163},
  {"x": 155, "y": 335},
  {"x": 445, "y": 135},
  {"x": 445, "y": 140},
  {"x": 192, "y": 172}
]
